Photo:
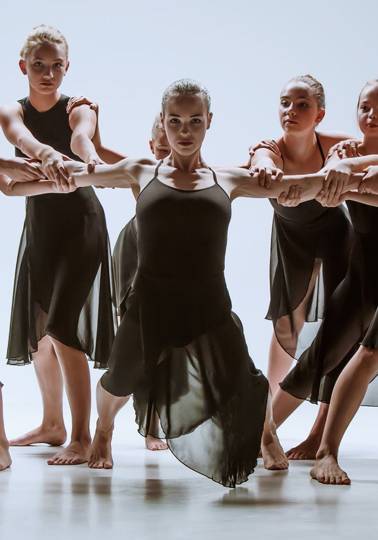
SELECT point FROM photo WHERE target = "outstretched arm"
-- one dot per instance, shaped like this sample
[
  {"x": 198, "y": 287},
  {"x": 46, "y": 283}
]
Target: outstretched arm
[
  {"x": 10, "y": 188},
  {"x": 128, "y": 173},
  {"x": 17, "y": 133},
  {"x": 105, "y": 154},
  {"x": 239, "y": 183},
  {"x": 83, "y": 122}
]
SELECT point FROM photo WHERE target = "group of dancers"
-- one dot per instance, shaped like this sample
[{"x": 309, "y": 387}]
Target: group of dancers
[{"x": 165, "y": 331}]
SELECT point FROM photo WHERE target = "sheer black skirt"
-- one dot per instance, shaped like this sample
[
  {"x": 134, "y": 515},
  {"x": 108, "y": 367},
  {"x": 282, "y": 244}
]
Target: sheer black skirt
[
  {"x": 63, "y": 282},
  {"x": 308, "y": 261},
  {"x": 181, "y": 352}
]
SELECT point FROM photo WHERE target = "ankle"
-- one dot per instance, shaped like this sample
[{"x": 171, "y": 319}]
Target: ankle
[
  {"x": 326, "y": 451},
  {"x": 103, "y": 429},
  {"x": 53, "y": 425},
  {"x": 4, "y": 442},
  {"x": 82, "y": 438}
]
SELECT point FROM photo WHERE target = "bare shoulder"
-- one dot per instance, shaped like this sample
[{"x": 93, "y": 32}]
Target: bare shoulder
[
  {"x": 11, "y": 111},
  {"x": 232, "y": 177},
  {"x": 327, "y": 140},
  {"x": 82, "y": 112}
]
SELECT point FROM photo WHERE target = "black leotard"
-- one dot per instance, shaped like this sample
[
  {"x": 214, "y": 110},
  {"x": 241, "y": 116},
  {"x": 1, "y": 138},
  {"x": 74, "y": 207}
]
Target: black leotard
[
  {"x": 62, "y": 283},
  {"x": 349, "y": 313},
  {"x": 179, "y": 349},
  {"x": 301, "y": 237}
]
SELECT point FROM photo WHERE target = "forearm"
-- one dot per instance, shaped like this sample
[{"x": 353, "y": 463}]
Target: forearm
[
  {"x": 21, "y": 189},
  {"x": 359, "y": 164},
  {"x": 104, "y": 176},
  {"x": 83, "y": 147},
  {"x": 364, "y": 198},
  {"x": 109, "y": 156},
  {"x": 33, "y": 148}
]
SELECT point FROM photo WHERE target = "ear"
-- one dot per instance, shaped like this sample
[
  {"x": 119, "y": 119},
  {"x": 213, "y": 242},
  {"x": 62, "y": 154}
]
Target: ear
[
  {"x": 320, "y": 116},
  {"x": 67, "y": 66},
  {"x": 151, "y": 145},
  {"x": 22, "y": 65},
  {"x": 209, "y": 119}
]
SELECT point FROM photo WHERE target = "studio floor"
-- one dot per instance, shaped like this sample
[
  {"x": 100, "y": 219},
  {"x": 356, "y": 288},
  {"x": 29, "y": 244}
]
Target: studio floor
[{"x": 151, "y": 495}]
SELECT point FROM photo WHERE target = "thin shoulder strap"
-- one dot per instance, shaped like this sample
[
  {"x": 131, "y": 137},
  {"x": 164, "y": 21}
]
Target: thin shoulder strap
[
  {"x": 320, "y": 147},
  {"x": 152, "y": 179},
  {"x": 156, "y": 170},
  {"x": 214, "y": 176}
]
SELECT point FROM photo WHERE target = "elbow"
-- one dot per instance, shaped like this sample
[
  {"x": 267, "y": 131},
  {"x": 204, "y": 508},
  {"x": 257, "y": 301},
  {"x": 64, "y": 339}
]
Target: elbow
[{"x": 77, "y": 144}]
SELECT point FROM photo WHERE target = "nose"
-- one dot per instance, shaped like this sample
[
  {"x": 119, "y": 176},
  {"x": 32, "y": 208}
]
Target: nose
[
  {"x": 291, "y": 112},
  {"x": 372, "y": 113},
  {"x": 48, "y": 73},
  {"x": 184, "y": 128}
]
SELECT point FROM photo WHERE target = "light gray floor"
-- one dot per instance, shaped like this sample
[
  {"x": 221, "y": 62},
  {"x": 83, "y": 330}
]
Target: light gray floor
[{"x": 151, "y": 495}]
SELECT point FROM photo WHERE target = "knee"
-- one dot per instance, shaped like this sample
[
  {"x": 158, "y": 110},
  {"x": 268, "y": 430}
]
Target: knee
[
  {"x": 45, "y": 346},
  {"x": 368, "y": 360}
]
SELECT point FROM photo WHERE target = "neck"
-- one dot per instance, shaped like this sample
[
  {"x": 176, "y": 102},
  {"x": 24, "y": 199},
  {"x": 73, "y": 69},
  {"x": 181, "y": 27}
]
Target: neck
[
  {"x": 43, "y": 102},
  {"x": 299, "y": 146},
  {"x": 185, "y": 163},
  {"x": 369, "y": 145}
]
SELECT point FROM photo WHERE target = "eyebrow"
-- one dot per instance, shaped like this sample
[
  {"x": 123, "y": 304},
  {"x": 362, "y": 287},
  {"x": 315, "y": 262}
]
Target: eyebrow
[
  {"x": 55, "y": 59},
  {"x": 191, "y": 116},
  {"x": 298, "y": 97}
]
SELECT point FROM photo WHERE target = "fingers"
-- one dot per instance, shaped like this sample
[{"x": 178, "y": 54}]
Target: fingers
[{"x": 292, "y": 197}]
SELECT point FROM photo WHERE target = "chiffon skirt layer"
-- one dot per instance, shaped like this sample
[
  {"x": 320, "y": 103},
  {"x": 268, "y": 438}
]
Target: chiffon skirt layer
[
  {"x": 125, "y": 263},
  {"x": 309, "y": 258},
  {"x": 181, "y": 352},
  {"x": 349, "y": 320},
  {"x": 63, "y": 282}
]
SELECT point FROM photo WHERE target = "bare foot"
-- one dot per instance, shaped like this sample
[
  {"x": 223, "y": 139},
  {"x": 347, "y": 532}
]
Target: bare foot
[
  {"x": 100, "y": 455},
  {"x": 54, "y": 436},
  {"x": 306, "y": 450},
  {"x": 74, "y": 454},
  {"x": 327, "y": 471},
  {"x": 274, "y": 457},
  {"x": 5, "y": 459},
  {"x": 152, "y": 443}
]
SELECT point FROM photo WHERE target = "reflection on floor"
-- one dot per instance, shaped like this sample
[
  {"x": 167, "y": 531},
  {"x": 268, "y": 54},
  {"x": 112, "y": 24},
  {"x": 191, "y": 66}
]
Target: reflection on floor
[{"x": 151, "y": 495}]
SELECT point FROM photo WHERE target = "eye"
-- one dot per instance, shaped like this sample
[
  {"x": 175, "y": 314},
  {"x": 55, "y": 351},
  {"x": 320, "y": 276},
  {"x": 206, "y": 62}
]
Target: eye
[
  {"x": 59, "y": 65},
  {"x": 284, "y": 102},
  {"x": 303, "y": 105},
  {"x": 364, "y": 108},
  {"x": 174, "y": 120},
  {"x": 37, "y": 64},
  {"x": 196, "y": 120}
]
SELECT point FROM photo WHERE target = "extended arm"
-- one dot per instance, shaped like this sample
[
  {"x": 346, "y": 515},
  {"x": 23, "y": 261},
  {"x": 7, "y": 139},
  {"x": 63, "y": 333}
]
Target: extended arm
[
  {"x": 18, "y": 134},
  {"x": 241, "y": 184},
  {"x": 83, "y": 121},
  {"x": 127, "y": 173},
  {"x": 11, "y": 188}
]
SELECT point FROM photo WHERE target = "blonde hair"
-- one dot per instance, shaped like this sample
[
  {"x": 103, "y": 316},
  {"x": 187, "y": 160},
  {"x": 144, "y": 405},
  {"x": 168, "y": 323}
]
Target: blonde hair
[
  {"x": 316, "y": 87},
  {"x": 39, "y": 36},
  {"x": 185, "y": 87}
]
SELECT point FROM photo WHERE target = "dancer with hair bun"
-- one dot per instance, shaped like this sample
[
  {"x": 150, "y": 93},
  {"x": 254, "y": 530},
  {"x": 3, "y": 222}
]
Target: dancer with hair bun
[{"x": 310, "y": 244}]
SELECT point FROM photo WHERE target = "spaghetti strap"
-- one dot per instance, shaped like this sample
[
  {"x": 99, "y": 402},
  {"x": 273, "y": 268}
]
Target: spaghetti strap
[
  {"x": 155, "y": 177},
  {"x": 320, "y": 148}
]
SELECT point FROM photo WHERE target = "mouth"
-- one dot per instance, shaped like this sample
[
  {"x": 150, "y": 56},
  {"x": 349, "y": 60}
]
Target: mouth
[
  {"x": 47, "y": 84},
  {"x": 372, "y": 126},
  {"x": 185, "y": 143},
  {"x": 289, "y": 121}
]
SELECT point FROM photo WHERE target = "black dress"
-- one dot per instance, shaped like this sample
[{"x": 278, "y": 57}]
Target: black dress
[
  {"x": 63, "y": 282},
  {"x": 179, "y": 348},
  {"x": 125, "y": 263},
  {"x": 302, "y": 238},
  {"x": 349, "y": 317}
]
